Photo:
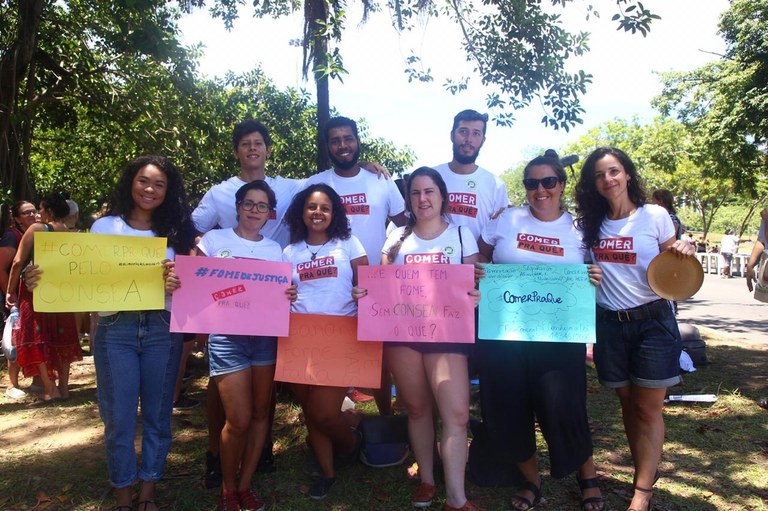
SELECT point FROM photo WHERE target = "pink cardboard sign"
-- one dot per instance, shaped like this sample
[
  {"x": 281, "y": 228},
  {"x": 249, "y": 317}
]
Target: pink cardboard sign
[
  {"x": 231, "y": 296},
  {"x": 323, "y": 350},
  {"x": 417, "y": 302}
]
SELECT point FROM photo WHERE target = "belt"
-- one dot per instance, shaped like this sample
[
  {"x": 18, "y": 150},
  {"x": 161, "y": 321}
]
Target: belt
[{"x": 656, "y": 309}]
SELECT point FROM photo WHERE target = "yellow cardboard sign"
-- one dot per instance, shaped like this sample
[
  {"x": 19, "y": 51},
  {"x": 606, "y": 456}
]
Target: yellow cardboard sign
[{"x": 98, "y": 272}]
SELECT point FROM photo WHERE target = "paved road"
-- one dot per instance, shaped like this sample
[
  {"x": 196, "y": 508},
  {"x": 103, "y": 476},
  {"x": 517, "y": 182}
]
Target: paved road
[{"x": 726, "y": 305}]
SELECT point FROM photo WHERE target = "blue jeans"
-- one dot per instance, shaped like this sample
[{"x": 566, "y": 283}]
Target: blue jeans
[{"x": 136, "y": 358}]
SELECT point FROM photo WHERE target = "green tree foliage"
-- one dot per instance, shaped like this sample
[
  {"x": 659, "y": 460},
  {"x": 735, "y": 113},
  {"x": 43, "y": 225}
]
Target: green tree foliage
[
  {"x": 102, "y": 82},
  {"x": 519, "y": 49},
  {"x": 668, "y": 155},
  {"x": 195, "y": 130},
  {"x": 725, "y": 103}
]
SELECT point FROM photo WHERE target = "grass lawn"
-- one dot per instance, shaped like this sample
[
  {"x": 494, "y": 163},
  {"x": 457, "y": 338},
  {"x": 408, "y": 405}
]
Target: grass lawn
[{"x": 716, "y": 456}]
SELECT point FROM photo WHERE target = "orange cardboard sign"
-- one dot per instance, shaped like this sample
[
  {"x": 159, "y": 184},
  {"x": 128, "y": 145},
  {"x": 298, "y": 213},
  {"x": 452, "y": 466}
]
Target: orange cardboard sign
[{"x": 324, "y": 350}]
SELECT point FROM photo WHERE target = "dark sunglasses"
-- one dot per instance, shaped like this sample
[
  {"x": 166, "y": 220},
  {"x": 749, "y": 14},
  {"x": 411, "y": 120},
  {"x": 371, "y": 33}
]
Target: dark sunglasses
[{"x": 548, "y": 183}]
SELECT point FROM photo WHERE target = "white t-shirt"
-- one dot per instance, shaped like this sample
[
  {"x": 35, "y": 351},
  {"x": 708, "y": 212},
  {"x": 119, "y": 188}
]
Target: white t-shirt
[
  {"x": 324, "y": 285},
  {"x": 473, "y": 198},
  {"x": 117, "y": 225},
  {"x": 624, "y": 251},
  {"x": 226, "y": 243},
  {"x": 447, "y": 248},
  {"x": 728, "y": 244},
  {"x": 518, "y": 237},
  {"x": 217, "y": 207},
  {"x": 368, "y": 201}
]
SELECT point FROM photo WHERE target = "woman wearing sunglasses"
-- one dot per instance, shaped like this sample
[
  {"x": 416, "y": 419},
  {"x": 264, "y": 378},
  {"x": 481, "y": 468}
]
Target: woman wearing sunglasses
[{"x": 522, "y": 382}]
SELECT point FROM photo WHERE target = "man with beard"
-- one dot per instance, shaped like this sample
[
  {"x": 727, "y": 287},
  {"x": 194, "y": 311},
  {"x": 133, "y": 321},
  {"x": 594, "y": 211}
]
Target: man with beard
[
  {"x": 474, "y": 194},
  {"x": 368, "y": 200},
  {"x": 368, "y": 203}
]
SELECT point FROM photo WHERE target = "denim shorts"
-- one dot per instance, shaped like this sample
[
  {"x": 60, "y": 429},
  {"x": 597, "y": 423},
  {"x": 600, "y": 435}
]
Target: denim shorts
[
  {"x": 644, "y": 353},
  {"x": 232, "y": 353}
]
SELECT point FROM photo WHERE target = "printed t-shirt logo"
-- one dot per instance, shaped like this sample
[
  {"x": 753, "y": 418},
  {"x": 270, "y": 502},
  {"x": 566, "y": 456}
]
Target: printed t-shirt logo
[
  {"x": 464, "y": 204},
  {"x": 438, "y": 258},
  {"x": 356, "y": 204},
  {"x": 539, "y": 244},
  {"x": 615, "y": 250},
  {"x": 320, "y": 268},
  {"x": 224, "y": 252}
]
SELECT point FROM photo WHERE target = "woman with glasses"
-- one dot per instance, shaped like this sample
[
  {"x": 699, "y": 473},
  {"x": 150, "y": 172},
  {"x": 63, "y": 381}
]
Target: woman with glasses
[
  {"x": 47, "y": 342},
  {"x": 638, "y": 342},
  {"x": 522, "y": 382},
  {"x": 23, "y": 215},
  {"x": 243, "y": 366}
]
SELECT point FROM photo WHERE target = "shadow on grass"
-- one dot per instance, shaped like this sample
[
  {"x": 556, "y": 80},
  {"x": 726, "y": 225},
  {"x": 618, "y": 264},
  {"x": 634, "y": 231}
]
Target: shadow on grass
[{"x": 715, "y": 456}]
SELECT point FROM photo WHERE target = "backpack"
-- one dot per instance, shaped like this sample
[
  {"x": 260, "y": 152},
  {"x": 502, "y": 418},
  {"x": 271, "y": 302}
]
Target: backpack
[{"x": 385, "y": 440}]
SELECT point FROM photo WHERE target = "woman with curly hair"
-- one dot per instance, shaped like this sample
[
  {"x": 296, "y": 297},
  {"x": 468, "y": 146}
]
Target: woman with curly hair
[
  {"x": 47, "y": 342},
  {"x": 135, "y": 355},
  {"x": 638, "y": 343},
  {"x": 321, "y": 237}
]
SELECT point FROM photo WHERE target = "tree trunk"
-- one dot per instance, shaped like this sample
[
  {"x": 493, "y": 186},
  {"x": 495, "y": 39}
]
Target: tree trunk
[{"x": 14, "y": 66}]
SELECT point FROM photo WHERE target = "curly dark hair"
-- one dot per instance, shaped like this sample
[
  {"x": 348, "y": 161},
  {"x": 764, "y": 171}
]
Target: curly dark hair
[
  {"x": 591, "y": 207},
  {"x": 56, "y": 203},
  {"x": 171, "y": 219},
  {"x": 294, "y": 216},
  {"x": 440, "y": 183},
  {"x": 16, "y": 211}
]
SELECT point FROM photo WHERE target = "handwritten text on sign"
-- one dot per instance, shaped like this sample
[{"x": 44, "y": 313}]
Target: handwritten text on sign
[
  {"x": 98, "y": 272},
  {"x": 323, "y": 350},
  {"x": 418, "y": 302},
  {"x": 537, "y": 302},
  {"x": 231, "y": 296}
]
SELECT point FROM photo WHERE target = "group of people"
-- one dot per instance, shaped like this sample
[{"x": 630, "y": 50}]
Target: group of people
[{"x": 458, "y": 214}]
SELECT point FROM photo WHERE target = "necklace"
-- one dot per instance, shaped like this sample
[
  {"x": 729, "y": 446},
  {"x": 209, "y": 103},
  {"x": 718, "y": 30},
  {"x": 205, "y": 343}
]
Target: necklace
[
  {"x": 314, "y": 254},
  {"x": 249, "y": 246}
]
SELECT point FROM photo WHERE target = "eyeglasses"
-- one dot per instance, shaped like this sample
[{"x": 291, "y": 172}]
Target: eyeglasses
[
  {"x": 29, "y": 212},
  {"x": 548, "y": 183},
  {"x": 248, "y": 205}
]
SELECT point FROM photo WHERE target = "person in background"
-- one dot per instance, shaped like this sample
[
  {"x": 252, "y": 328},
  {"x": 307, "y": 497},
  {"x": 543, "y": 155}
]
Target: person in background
[
  {"x": 321, "y": 238},
  {"x": 47, "y": 343},
  {"x": 74, "y": 214},
  {"x": 638, "y": 342},
  {"x": 23, "y": 215},
  {"x": 522, "y": 383},
  {"x": 665, "y": 199},
  {"x": 729, "y": 245}
]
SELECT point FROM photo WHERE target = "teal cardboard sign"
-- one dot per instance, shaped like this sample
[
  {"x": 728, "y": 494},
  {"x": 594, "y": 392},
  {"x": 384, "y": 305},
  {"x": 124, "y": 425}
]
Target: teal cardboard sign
[{"x": 537, "y": 302}]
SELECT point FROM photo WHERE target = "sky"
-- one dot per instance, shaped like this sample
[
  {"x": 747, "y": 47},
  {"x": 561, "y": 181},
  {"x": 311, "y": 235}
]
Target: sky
[{"x": 420, "y": 116}]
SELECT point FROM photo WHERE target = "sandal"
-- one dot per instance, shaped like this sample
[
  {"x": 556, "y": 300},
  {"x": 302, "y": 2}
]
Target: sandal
[
  {"x": 649, "y": 507},
  {"x": 585, "y": 484},
  {"x": 144, "y": 504},
  {"x": 536, "y": 490}
]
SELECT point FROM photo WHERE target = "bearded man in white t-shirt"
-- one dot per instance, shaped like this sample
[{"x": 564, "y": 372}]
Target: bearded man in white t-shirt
[
  {"x": 368, "y": 201},
  {"x": 475, "y": 195}
]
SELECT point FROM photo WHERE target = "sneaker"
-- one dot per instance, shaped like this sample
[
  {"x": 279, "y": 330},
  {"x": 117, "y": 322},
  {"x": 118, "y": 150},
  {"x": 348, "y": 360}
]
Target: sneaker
[
  {"x": 228, "y": 501},
  {"x": 321, "y": 488},
  {"x": 358, "y": 397},
  {"x": 14, "y": 393},
  {"x": 212, "y": 471},
  {"x": 250, "y": 501},
  {"x": 423, "y": 495},
  {"x": 185, "y": 403},
  {"x": 468, "y": 506}
]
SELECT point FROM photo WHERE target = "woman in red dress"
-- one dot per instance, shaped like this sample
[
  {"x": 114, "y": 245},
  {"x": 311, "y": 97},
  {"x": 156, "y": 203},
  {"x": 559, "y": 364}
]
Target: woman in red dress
[{"x": 47, "y": 343}]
